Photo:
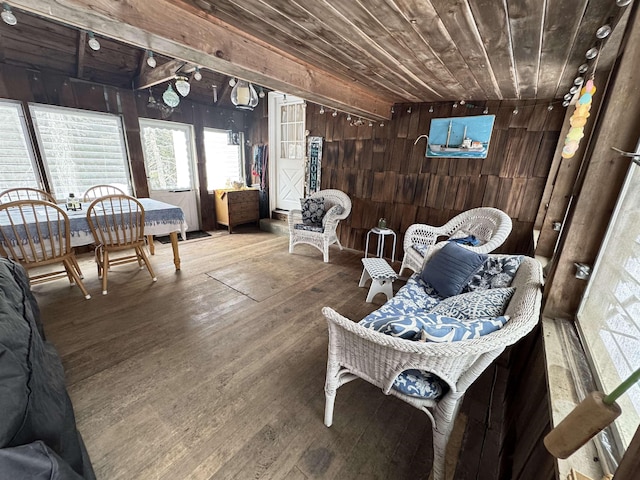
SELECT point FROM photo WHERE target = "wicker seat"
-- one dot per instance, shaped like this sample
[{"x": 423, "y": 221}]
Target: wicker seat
[
  {"x": 98, "y": 191},
  {"x": 489, "y": 225},
  {"x": 358, "y": 352},
  {"x": 45, "y": 241},
  {"x": 25, "y": 193},
  {"x": 117, "y": 224},
  {"x": 325, "y": 235}
]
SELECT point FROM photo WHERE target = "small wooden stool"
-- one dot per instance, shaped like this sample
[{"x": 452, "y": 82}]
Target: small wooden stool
[{"x": 381, "y": 275}]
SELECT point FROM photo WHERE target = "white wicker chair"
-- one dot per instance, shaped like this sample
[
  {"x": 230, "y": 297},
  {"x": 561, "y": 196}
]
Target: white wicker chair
[
  {"x": 357, "y": 352},
  {"x": 321, "y": 240},
  {"x": 489, "y": 225}
]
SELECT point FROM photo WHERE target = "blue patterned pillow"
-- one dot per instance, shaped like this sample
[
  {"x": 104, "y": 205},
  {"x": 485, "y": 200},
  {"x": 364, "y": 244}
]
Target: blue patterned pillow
[
  {"x": 495, "y": 273},
  {"x": 482, "y": 304},
  {"x": 420, "y": 384},
  {"x": 450, "y": 269},
  {"x": 312, "y": 210}
]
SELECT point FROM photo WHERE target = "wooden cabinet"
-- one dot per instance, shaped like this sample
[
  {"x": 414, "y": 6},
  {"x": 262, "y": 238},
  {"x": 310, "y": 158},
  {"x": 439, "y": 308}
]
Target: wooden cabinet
[{"x": 235, "y": 207}]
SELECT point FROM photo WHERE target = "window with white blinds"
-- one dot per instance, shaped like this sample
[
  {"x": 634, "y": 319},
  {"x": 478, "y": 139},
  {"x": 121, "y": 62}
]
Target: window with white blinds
[
  {"x": 224, "y": 159},
  {"x": 609, "y": 315},
  {"x": 16, "y": 153},
  {"x": 80, "y": 149}
]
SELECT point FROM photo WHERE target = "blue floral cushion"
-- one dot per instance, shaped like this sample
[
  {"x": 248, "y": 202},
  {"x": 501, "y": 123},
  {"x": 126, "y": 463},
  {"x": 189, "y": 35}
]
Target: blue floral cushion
[
  {"x": 494, "y": 273},
  {"x": 469, "y": 240},
  {"x": 312, "y": 210},
  {"x": 450, "y": 269},
  {"x": 420, "y": 384},
  {"x": 482, "y": 304},
  {"x": 311, "y": 228},
  {"x": 421, "y": 249},
  {"x": 431, "y": 327},
  {"x": 446, "y": 329}
]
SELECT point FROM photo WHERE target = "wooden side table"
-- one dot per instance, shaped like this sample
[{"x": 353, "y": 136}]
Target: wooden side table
[{"x": 235, "y": 207}]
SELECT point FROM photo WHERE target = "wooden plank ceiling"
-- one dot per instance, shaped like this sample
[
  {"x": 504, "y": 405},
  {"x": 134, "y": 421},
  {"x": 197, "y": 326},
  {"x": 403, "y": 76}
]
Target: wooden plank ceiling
[{"x": 359, "y": 56}]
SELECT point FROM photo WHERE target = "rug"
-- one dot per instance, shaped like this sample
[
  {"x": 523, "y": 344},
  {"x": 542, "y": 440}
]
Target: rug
[{"x": 190, "y": 236}]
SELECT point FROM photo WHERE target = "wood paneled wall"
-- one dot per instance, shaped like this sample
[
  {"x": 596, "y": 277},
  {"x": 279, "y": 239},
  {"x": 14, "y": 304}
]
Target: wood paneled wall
[
  {"x": 387, "y": 175},
  {"x": 54, "y": 89}
]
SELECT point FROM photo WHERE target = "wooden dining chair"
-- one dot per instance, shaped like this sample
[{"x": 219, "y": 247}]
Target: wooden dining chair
[
  {"x": 98, "y": 191},
  {"x": 36, "y": 233},
  {"x": 25, "y": 193},
  {"x": 117, "y": 224}
]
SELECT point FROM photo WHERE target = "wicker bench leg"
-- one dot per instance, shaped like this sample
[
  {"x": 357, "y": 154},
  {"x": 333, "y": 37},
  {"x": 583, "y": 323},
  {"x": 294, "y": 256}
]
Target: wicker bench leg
[
  {"x": 364, "y": 277},
  {"x": 380, "y": 286}
]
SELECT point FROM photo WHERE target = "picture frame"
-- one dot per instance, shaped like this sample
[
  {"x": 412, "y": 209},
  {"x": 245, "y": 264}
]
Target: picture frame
[{"x": 460, "y": 137}]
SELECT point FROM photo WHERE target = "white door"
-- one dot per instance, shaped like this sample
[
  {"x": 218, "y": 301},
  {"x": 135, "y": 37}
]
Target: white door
[
  {"x": 287, "y": 122},
  {"x": 169, "y": 162}
]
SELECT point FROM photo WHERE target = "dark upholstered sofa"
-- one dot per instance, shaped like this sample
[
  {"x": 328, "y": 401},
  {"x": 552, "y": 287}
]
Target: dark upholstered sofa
[{"x": 38, "y": 435}]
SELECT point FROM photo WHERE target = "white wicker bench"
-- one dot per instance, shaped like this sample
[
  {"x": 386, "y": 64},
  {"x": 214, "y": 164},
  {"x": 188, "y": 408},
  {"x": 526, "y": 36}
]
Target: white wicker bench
[{"x": 381, "y": 275}]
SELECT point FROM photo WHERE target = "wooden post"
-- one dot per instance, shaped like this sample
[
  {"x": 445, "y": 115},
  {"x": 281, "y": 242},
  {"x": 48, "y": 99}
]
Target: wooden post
[{"x": 593, "y": 204}]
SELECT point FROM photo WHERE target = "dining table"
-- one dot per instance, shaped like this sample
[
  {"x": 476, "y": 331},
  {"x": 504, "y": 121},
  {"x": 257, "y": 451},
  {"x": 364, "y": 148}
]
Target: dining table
[{"x": 159, "y": 219}]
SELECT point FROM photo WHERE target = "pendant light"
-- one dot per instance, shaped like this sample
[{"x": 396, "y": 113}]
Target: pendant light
[
  {"x": 197, "y": 76},
  {"x": 170, "y": 97},
  {"x": 182, "y": 85},
  {"x": 244, "y": 96}
]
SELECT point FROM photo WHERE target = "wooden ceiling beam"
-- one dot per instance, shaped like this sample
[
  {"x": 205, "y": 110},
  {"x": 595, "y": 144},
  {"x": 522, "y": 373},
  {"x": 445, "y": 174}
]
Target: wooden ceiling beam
[
  {"x": 178, "y": 30},
  {"x": 82, "y": 46},
  {"x": 154, "y": 76}
]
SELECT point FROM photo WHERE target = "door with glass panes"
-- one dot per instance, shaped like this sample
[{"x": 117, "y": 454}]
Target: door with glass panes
[
  {"x": 169, "y": 162},
  {"x": 288, "y": 125}
]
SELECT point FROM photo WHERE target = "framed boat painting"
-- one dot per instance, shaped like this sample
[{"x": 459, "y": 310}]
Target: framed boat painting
[{"x": 460, "y": 137}]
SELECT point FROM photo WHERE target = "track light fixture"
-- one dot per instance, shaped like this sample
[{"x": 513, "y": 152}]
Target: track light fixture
[
  {"x": 151, "y": 60},
  {"x": 7, "y": 15},
  {"x": 197, "y": 76},
  {"x": 93, "y": 42}
]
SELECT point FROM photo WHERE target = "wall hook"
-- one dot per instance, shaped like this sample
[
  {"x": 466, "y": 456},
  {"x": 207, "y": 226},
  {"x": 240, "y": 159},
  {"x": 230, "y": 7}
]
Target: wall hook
[
  {"x": 635, "y": 156},
  {"x": 423, "y": 135}
]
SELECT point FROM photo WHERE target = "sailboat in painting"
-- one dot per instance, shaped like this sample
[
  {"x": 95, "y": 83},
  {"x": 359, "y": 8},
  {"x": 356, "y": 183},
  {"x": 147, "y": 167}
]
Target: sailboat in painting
[
  {"x": 465, "y": 145},
  {"x": 460, "y": 137}
]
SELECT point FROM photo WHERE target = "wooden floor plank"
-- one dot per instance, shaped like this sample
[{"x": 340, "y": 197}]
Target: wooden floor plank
[{"x": 217, "y": 371}]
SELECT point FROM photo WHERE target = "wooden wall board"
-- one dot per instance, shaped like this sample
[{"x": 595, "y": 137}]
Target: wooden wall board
[{"x": 534, "y": 188}]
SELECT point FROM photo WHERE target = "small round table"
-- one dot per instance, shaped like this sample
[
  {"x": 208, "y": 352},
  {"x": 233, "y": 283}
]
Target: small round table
[{"x": 382, "y": 234}]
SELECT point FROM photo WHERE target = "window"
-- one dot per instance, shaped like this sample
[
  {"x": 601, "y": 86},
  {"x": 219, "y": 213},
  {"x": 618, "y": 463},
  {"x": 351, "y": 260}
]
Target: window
[
  {"x": 224, "y": 158},
  {"x": 292, "y": 130},
  {"x": 16, "y": 153},
  {"x": 80, "y": 149},
  {"x": 609, "y": 316}
]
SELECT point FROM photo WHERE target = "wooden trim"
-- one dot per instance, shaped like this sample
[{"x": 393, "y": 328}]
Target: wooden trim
[{"x": 181, "y": 31}]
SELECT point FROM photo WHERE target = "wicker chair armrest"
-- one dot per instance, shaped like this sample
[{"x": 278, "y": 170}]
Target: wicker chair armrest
[
  {"x": 294, "y": 217},
  {"x": 420, "y": 233}
]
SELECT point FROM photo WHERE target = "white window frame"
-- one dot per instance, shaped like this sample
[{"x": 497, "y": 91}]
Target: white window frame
[
  {"x": 241, "y": 155},
  {"x": 27, "y": 140},
  {"x": 58, "y": 109},
  {"x": 603, "y": 381}
]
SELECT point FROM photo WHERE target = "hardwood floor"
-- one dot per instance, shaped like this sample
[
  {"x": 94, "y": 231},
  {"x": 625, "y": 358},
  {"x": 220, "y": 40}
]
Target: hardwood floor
[{"x": 217, "y": 371}]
